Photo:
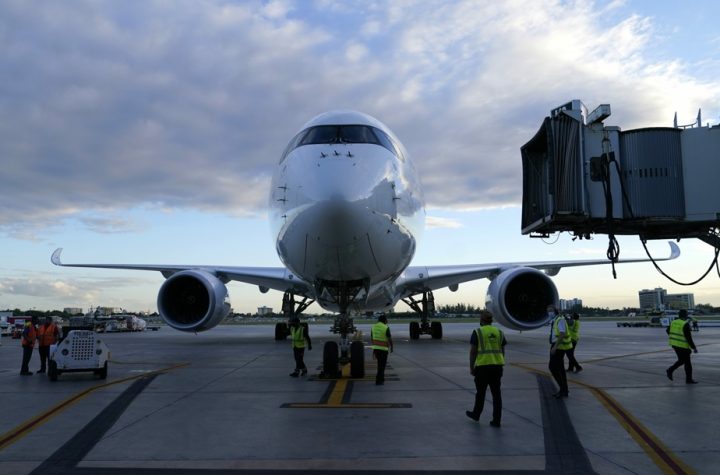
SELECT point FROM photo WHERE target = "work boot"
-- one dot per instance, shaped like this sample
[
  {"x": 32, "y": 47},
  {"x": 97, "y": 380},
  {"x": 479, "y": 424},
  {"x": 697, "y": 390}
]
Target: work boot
[
  {"x": 669, "y": 374},
  {"x": 295, "y": 374},
  {"x": 495, "y": 423},
  {"x": 691, "y": 381},
  {"x": 303, "y": 372},
  {"x": 41, "y": 370},
  {"x": 578, "y": 369},
  {"x": 472, "y": 416}
]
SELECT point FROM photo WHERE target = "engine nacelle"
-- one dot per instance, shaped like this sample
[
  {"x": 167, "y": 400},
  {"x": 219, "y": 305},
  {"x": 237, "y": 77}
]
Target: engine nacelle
[
  {"x": 518, "y": 298},
  {"x": 193, "y": 301}
]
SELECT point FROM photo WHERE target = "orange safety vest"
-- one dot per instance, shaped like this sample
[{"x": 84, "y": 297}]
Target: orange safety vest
[
  {"x": 29, "y": 338},
  {"x": 47, "y": 335}
]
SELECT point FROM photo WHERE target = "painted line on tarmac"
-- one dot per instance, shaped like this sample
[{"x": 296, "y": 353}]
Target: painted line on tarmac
[
  {"x": 17, "y": 433},
  {"x": 658, "y": 452},
  {"x": 665, "y": 350},
  {"x": 338, "y": 394},
  {"x": 74, "y": 450}
]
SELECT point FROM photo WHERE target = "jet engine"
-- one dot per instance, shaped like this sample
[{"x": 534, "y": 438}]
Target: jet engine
[
  {"x": 193, "y": 301},
  {"x": 518, "y": 298}
]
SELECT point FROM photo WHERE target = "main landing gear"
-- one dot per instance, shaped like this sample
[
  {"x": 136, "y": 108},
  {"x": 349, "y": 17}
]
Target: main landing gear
[
  {"x": 290, "y": 309},
  {"x": 426, "y": 308}
]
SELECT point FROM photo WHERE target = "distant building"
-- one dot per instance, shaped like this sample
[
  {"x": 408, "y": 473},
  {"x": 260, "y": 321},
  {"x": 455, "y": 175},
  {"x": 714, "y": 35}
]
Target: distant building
[
  {"x": 652, "y": 299},
  {"x": 570, "y": 304},
  {"x": 680, "y": 301},
  {"x": 264, "y": 310},
  {"x": 73, "y": 310}
]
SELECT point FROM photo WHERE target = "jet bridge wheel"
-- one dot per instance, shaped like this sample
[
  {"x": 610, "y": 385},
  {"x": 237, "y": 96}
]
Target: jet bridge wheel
[
  {"x": 281, "y": 331},
  {"x": 330, "y": 360},
  {"x": 414, "y": 330},
  {"x": 357, "y": 359},
  {"x": 436, "y": 330}
]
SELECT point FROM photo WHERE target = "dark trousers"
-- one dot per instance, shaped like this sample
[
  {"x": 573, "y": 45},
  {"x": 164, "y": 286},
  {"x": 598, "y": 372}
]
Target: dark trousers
[
  {"x": 489, "y": 375},
  {"x": 381, "y": 357},
  {"x": 557, "y": 368},
  {"x": 572, "y": 362},
  {"x": 683, "y": 358},
  {"x": 299, "y": 354},
  {"x": 27, "y": 354},
  {"x": 44, "y": 355}
]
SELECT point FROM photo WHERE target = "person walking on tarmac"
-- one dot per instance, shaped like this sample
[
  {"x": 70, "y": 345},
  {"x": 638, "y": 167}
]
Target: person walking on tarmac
[
  {"x": 299, "y": 335},
  {"x": 682, "y": 342},
  {"x": 574, "y": 329},
  {"x": 47, "y": 334},
  {"x": 487, "y": 357},
  {"x": 381, "y": 343},
  {"x": 560, "y": 343},
  {"x": 29, "y": 335}
]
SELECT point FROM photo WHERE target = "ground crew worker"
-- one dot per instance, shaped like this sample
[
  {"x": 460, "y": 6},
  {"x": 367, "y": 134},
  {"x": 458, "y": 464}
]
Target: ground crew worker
[
  {"x": 487, "y": 357},
  {"x": 299, "y": 335},
  {"x": 381, "y": 343},
  {"x": 560, "y": 343},
  {"x": 29, "y": 335},
  {"x": 47, "y": 334},
  {"x": 681, "y": 341},
  {"x": 574, "y": 329}
]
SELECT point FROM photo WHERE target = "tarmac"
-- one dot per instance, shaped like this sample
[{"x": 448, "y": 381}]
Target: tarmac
[{"x": 222, "y": 402}]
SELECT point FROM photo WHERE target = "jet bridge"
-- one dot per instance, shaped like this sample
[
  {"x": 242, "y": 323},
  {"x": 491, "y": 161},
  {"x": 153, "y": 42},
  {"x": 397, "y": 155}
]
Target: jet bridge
[{"x": 584, "y": 177}]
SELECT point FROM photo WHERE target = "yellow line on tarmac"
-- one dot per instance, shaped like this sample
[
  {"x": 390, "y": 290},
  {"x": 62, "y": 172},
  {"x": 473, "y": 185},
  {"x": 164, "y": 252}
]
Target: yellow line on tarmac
[
  {"x": 13, "y": 435},
  {"x": 338, "y": 392},
  {"x": 658, "y": 452}
]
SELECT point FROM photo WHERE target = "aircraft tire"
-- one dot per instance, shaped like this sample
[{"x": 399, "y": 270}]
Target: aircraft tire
[
  {"x": 280, "y": 331},
  {"x": 436, "y": 330},
  {"x": 330, "y": 360},
  {"x": 414, "y": 330},
  {"x": 357, "y": 359}
]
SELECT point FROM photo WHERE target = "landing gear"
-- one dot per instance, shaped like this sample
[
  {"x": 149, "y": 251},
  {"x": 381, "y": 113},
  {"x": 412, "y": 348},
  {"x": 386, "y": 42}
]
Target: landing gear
[
  {"x": 290, "y": 309},
  {"x": 426, "y": 308},
  {"x": 343, "y": 294},
  {"x": 330, "y": 366}
]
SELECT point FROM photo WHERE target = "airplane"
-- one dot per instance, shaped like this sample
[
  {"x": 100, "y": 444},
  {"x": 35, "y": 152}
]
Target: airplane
[{"x": 347, "y": 211}]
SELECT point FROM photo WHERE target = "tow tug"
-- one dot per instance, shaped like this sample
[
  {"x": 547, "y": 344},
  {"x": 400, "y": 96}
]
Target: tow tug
[{"x": 79, "y": 351}]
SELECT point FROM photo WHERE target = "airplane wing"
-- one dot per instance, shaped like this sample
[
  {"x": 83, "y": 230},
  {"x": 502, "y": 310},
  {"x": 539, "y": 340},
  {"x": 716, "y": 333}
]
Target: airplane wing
[
  {"x": 423, "y": 278},
  {"x": 276, "y": 278}
]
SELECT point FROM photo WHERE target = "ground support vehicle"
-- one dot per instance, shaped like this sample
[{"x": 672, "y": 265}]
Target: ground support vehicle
[{"x": 79, "y": 351}]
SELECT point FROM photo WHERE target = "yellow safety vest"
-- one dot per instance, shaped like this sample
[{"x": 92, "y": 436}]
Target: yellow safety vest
[
  {"x": 378, "y": 334},
  {"x": 489, "y": 346},
  {"x": 565, "y": 343},
  {"x": 677, "y": 336},
  {"x": 298, "y": 336},
  {"x": 574, "y": 329}
]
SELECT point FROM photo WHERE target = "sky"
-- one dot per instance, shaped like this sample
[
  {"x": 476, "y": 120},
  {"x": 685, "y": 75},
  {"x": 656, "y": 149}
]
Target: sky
[{"x": 147, "y": 131}]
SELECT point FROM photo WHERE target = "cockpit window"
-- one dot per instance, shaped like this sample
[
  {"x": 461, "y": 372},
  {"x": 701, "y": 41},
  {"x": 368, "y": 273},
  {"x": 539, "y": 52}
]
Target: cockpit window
[{"x": 339, "y": 134}]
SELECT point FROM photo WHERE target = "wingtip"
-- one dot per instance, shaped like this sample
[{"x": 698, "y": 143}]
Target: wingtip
[
  {"x": 55, "y": 258},
  {"x": 674, "y": 250}
]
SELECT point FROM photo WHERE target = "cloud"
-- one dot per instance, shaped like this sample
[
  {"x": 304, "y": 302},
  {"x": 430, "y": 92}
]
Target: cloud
[
  {"x": 114, "y": 106},
  {"x": 438, "y": 222}
]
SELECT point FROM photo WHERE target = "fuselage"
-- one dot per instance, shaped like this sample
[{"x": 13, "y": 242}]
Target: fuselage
[{"x": 347, "y": 210}]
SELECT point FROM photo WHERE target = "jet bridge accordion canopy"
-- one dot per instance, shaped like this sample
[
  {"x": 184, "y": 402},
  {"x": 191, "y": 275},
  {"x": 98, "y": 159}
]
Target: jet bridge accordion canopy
[{"x": 584, "y": 177}]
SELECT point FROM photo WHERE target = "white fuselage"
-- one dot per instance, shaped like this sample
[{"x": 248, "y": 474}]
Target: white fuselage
[{"x": 347, "y": 209}]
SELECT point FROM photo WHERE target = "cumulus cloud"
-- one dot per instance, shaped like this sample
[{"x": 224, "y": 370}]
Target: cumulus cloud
[{"x": 111, "y": 106}]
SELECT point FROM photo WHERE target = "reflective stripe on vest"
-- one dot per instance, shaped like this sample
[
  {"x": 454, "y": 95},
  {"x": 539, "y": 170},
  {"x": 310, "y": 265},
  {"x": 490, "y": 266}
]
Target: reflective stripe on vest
[
  {"x": 298, "y": 336},
  {"x": 574, "y": 329},
  {"x": 29, "y": 336},
  {"x": 489, "y": 346},
  {"x": 565, "y": 343},
  {"x": 378, "y": 335},
  {"x": 677, "y": 336},
  {"x": 46, "y": 335}
]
